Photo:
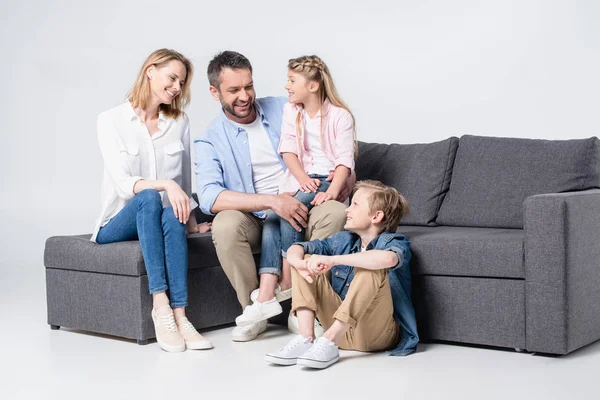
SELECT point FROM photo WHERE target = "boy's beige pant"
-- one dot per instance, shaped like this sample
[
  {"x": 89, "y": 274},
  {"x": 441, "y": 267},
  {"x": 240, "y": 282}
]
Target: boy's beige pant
[
  {"x": 237, "y": 236},
  {"x": 367, "y": 308}
]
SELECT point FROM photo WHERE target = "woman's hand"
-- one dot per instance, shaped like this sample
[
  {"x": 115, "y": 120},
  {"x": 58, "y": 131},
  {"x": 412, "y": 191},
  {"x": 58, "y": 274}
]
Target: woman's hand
[
  {"x": 179, "y": 200},
  {"x": 321, "y": 198}
]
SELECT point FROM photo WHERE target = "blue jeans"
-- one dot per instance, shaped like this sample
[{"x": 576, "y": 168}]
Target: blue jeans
[
  {"x": 162, "y": 239},
  {"x": 278, "y": 234}
]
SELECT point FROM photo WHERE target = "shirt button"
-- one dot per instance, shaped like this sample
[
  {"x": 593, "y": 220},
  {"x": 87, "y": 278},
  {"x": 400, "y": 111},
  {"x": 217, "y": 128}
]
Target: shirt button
[
  {"x": 248, "y": 165},
  {"x": 347, "y": 284},
  {"x": 245, "y": 142},
  {"x": 337, "y": 273}
]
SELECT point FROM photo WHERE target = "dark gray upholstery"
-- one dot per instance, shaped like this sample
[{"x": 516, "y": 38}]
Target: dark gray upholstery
[
  {"x": 449, "y": 250},
  {"x": 493, "y": 176},
  {"x": 562, "y": 275},
  {"x": 479, "y": 277},
  {"x": 421, "y": 172}
]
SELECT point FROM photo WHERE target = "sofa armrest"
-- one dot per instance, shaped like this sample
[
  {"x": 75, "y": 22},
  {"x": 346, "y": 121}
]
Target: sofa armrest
[{"x": 562, "y": 270}]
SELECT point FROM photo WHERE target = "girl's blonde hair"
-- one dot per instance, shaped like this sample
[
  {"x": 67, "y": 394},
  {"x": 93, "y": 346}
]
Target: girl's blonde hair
[
  {"x": 315, "y": 69},
  {"x": 140, "y": 93}
]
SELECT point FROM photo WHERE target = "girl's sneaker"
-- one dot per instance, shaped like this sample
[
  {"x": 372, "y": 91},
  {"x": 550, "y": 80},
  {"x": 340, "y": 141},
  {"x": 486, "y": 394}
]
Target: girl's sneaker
[
  {"x": 193, "y": 340},
  {"x": 167, "y": 335},
  {"x": 259, "y": 312}
]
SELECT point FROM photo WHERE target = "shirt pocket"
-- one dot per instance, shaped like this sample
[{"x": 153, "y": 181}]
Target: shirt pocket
[
  {"x": 339, "y": 275},
  {"x": 130, "y": 157},
  {"x": 173, "y": 159}
]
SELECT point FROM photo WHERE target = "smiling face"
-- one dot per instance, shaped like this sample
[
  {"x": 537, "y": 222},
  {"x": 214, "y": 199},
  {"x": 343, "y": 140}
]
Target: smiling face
[
  {"x": 299, "y": 88},
  {"x": 359, "y": 217},
  {"x": 236, "y": 94},
  {"x": 167, "y": 81}
]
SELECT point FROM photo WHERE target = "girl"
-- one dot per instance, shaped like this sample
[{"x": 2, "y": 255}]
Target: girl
[
  {"x": 145, "y": 144},
  {"x": 318, "y": 139}
]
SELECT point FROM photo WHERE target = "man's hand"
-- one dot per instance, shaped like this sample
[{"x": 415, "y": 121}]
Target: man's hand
[
  {"x": 318, "y": 264},
  {"x": 346, "y": 189},
  {"x": 291, "y": 210}
]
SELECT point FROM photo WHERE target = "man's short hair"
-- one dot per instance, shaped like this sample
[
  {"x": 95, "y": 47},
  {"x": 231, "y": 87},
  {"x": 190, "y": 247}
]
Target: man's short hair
[
  {"x": 225, "y": 59},
  {"x": 387, "y": 199}
]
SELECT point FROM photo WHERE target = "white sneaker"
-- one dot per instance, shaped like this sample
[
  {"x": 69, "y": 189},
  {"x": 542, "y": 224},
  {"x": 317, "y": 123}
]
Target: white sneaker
[
  {"x": 293, "y": 326},
  {"x": 248, "y": 332},
  {"x": 259, "y": 312},
  {"x": 279, "y": 294},
  {"x": 321, "y": 355},
  {"x": 288, "y": 354},
  {"x": 167, "y": 335}
]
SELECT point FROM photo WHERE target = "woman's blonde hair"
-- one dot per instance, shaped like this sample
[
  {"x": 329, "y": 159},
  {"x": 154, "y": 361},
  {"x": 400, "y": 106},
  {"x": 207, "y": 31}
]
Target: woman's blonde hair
[
  {"x": 315, "y": 69},
  {"x": 140, "y": 93}
]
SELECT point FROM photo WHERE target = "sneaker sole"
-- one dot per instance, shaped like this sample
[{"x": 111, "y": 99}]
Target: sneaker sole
[
  {"x": 280, "y": 361},
  {"x": 278, "y": 297},
  {"x": 171, "y": 349},
  {"x": 316, "y": 364},
  {"x": 199, "y": 346},
  {"x": 248, "y": 337},
  {"x": 265, "y": 317}
]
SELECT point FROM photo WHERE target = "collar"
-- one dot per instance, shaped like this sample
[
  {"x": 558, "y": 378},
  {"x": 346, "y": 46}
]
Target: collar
[
  {"x": 324, "y": 110},
  {"x": 234, "y": 129},
  {"x": 131, "y": 115}
]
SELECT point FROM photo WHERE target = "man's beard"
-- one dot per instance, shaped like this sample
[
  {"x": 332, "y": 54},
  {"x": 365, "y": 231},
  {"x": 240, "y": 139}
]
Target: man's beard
[{"x": 230, "y": 109}]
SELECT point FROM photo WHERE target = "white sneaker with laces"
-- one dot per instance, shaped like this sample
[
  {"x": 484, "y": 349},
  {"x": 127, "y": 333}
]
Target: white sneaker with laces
[
  {"x": 293, "y": 326},
  {"x": 167, "y": 335},
  {"x": 321, "y": 355},
  {"x": 259, "y": 312},
  {"x": 248, "y": 332},
  {"x": 279, "y": 294},
  {"x": 193, "y": 339},
  {"x": 288, "y": 354}
]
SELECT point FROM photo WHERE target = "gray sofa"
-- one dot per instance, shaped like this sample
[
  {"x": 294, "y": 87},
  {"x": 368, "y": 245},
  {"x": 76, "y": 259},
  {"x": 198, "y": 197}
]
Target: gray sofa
[{"x": 505, "y": 235}]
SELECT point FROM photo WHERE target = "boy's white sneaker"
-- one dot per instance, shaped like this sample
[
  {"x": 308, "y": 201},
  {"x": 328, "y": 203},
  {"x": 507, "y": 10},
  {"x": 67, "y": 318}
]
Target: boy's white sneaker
[
  {"x": 293, "y": 326},
  {"x": 259, "y": 312},
  {"x": 288, "y": 354},
  {"x": 321, "y": 355},
  {"x": 248, "y": 332}
]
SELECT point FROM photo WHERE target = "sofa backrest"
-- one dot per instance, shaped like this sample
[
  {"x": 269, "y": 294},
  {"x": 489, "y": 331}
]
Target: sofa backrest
[
  {"x": 493, "y": 176},
  {"x": 421, "y": 172}
]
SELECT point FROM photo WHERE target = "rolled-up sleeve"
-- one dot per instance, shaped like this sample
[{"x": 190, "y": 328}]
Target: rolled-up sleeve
[
  {"x": 209, "y": 174},
  {"x": 344, "y": 141},
  {"x": 115, "y": 164},
  {"x": 402, "y": 249},
  {"x": 289, "y": 136}
]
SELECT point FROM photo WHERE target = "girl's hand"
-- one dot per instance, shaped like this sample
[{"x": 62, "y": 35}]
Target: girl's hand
[
  {"x": 309, "y": 184},
  {"x": 321, "y": 198},
  {"x": 179, "y": 200}
]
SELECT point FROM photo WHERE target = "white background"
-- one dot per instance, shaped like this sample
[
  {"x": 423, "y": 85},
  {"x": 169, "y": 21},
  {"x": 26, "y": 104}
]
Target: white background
[{"x": 411, "y": 71}]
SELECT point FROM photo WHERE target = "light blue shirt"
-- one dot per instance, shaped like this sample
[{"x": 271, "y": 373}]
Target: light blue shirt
[{"x": 222, "y": 154}]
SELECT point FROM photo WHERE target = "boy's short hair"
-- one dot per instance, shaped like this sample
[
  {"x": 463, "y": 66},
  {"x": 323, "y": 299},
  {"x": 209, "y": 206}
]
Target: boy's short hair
[{"x": 387, "y": 199}]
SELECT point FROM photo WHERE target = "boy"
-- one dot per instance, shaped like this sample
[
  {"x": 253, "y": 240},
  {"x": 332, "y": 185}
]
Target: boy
[{"x": 356, "y": 308}]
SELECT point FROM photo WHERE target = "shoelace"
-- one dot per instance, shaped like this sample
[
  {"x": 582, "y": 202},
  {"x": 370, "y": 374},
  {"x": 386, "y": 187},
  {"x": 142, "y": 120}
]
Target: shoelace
[
  {"x": 168, "y": 322},
  {"x": 318, "y": 349},
  {"x": 188, "y": 327},
  {"x": 292, "y": 345}
]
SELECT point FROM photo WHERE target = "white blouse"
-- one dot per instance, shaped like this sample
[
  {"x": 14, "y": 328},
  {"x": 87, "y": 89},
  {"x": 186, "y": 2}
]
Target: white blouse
[{"x": 131, "y": 154}]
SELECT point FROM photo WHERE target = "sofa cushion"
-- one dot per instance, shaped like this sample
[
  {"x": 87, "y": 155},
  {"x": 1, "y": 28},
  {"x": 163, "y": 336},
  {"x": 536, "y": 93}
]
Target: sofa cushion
[
  {"x": 122, "y": 258},
  {"x": 493, "y": 176},
  {"x": 421, "y": 172},
  {"x": 463, "y": 251}
]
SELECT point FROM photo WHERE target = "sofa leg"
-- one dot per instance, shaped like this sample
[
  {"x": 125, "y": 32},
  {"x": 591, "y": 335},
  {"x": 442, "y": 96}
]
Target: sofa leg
[
  {"x": 54, "y": 327},
  {"x": 142, "y": 342}
]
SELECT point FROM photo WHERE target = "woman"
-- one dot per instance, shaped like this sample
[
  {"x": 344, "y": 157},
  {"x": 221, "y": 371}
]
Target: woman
[{"x": 145, "y": 143}]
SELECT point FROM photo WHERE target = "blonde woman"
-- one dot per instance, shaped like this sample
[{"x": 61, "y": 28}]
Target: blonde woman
[
  {"x": 145, "y": 144},
  {"x": 317, "y": 140}
]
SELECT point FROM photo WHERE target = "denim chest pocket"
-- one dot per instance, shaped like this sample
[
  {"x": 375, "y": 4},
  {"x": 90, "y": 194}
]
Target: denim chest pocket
[
  {"x": 130, "y": 155},
  {"x": 173, "y": 159},
  {"x": 339, "y": 276}
]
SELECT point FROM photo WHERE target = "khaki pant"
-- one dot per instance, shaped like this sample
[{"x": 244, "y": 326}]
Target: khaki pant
[
  {"x": 237, "y": 236},
  {"x": 367, "y": 308}
]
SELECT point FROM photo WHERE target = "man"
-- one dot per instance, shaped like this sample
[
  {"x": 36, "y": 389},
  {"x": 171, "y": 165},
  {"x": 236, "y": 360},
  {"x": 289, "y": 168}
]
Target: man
[{"x": 238, "y": 170}]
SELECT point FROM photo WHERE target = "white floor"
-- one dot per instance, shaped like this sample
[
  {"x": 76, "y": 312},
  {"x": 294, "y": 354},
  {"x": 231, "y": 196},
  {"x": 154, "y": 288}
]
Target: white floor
[{"x": 43, "y": 364}]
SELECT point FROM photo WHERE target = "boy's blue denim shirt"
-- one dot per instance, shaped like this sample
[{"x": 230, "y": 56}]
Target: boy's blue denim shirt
[{"x": 347, "y": 242}]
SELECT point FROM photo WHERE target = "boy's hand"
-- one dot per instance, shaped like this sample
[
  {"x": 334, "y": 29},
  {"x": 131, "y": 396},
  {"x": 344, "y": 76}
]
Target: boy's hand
[
  {"x": 321, "y": 198},
  {"x": 318, "y": 264},
  {"x": 308, "y": 184},
  {"x": 303, "y": 270}
]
